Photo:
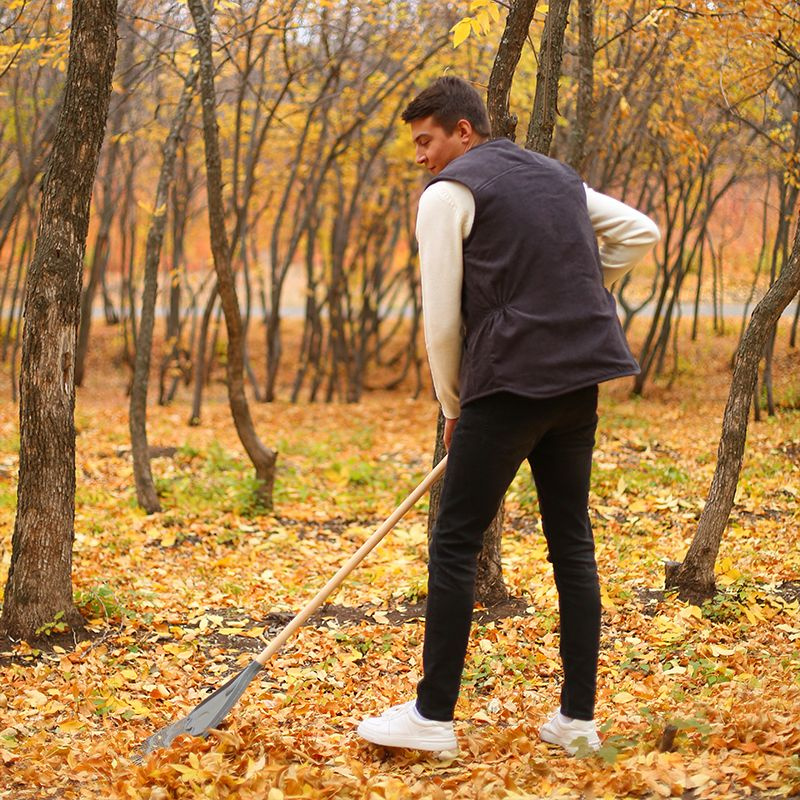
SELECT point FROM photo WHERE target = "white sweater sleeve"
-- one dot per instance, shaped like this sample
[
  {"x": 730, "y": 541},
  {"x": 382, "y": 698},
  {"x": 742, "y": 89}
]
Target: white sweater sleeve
[
  {"x": 626, "y": 235},
  {"x": 444, "y": 220}
]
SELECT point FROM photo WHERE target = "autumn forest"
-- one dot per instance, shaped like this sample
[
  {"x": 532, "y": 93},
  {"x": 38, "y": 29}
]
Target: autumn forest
[{"x": 214, "y": 391}]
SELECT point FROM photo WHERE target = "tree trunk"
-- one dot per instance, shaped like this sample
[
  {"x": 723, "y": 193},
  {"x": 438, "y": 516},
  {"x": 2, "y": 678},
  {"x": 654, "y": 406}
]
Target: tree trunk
[
  {"x": 584, "y": 104},
  {"x": 694, "y": 577},
  {"x": 509, "y": 50},
  {"x": 263, "y": 458},
  {"x": 39, "y": 586},
  {"x": 490, "y": 588},
  {"x": 99, "y": 261},
  {"x": 99, "y": 257},
  {"x": 545, "y": 101},
  {"x": 145, "y": 487}
]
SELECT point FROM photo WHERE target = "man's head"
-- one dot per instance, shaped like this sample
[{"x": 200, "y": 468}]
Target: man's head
[{"x": 447, "y": 119}]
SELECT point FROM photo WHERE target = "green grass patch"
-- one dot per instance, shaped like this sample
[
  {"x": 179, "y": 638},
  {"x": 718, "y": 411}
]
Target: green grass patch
[{"x": 213, "y": 480}]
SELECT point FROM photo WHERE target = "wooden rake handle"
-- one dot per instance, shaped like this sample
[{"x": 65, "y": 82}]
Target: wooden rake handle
[{"x": 354, "y": 561}]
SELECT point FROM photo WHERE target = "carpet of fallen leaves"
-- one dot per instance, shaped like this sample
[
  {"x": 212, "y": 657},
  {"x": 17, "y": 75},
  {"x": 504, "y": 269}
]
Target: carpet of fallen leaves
[{"x": 179, "y": 601}]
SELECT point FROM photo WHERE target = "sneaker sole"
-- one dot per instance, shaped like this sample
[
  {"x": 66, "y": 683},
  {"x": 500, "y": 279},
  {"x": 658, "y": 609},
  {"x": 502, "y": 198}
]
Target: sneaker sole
[
  {"x": 411, "y": 743},
  {"x": 550, "y": 738}
]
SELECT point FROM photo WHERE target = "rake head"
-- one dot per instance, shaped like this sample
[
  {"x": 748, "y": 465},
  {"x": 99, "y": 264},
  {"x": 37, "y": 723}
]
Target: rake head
[{"x": 208, "y": 714}]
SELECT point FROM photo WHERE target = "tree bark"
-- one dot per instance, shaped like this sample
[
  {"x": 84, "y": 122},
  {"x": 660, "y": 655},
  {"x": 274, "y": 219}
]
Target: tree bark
[
  {"x": 509, "y": 50},
  {"x": 263, "y": 458},
  {"x": 110, "y": 174},
  {"x": 39, "y": 586},
  {"x": 145, "y": 487},
  {"x": 545, "y": 101},
  {"x": 490, "y": 588},
  {"x": 584, "y": 104},
  {"x": 694, "y": 577}
]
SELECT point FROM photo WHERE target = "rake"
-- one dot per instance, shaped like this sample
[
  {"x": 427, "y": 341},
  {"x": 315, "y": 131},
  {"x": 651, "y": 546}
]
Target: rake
[{"x": 216, "y": 706}]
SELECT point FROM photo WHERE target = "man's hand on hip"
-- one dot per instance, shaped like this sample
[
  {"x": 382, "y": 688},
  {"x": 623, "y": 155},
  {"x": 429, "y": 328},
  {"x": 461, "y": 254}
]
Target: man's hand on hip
[{"x": 449, "y": 427}]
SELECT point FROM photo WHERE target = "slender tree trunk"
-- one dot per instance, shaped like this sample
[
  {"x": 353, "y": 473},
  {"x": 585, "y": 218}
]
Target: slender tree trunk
[
  {"x": 694, "y": 577},
  {"x": 584, "y": 104},
  {"x": 545, "y": 101},
  {"x": 263, "y": 458},
  {"x": 39, "y": 586},
  {"x": 201, "y": 359},
  {"x": 509, "y": 50},
  {"x": 145, "y": 487}
]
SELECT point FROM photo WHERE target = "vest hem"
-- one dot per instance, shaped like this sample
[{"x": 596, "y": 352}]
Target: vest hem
[{"x": 533, "y": 395}]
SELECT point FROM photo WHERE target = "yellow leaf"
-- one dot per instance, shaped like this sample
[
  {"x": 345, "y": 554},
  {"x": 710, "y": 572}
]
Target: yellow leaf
[
  {"x": 623, "y": 697},
  {"x": 139, "y": 708},
  {"x": 484, "y": 20},
  {"x": 716, "y": 650},
  {"x": 71, "y": 726},
  {"x": 181, "y": 651},
  {"x": 461, "y": 31}
]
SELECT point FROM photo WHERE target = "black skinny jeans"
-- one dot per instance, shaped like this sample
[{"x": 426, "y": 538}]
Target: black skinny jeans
[{"x": 493, "y": 437}]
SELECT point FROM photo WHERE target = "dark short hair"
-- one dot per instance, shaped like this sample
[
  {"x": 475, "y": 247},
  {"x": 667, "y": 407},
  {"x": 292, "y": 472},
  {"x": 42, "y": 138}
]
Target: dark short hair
[{"x": 448, "y": 100}]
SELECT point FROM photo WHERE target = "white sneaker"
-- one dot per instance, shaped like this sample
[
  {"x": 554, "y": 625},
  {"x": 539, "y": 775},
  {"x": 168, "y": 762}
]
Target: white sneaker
[
  {"x": 571, "y": 734},
  {"x": 404, "y": 726}
]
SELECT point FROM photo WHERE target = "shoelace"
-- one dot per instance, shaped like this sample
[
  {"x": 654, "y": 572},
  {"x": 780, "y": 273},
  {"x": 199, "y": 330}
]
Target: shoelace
[{"x": 396, "y": 711}]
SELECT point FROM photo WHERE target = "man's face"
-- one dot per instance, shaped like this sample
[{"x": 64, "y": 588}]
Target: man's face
[{"x": 435, "y": 147}]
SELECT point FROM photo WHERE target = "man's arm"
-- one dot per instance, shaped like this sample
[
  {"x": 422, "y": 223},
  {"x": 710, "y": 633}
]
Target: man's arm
[
  {"x": 444, "y": 219},
  {"x": 626, "y": 235}
]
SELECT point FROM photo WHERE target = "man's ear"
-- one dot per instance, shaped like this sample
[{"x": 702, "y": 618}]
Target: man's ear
[{"x": 464, "y": 127}]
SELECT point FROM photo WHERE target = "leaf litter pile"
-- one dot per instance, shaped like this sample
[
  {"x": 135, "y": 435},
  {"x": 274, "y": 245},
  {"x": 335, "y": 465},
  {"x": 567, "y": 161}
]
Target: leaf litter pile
[{"x": 693, "y": 702}]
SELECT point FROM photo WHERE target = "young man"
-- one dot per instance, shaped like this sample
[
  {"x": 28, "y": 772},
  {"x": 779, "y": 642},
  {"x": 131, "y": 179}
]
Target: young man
[{"x": 519, "y": 329}]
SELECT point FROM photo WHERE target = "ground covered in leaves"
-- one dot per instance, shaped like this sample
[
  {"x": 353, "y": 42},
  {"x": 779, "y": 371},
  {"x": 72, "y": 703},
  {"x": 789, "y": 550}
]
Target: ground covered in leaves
[{"x": 178, "y": 602}]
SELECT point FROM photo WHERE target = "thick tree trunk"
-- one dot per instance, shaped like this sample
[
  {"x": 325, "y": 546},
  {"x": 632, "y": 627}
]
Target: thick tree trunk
[
  {"x": 99, "y": 261},
  {"x": 545, "y": 101},
  {"x": 145, "y": 487},
  {"x": 99, "y": 258},
  {"x": 509, "y": 50},
  {"x": 694, "y": 578},
  {"x": 263, "y": 458},
  {"x": 39, "y": 586}
]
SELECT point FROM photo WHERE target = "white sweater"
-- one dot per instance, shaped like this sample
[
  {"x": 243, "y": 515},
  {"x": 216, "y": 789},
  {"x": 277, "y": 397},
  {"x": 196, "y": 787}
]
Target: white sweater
[{"x": 444, "y": 220}]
